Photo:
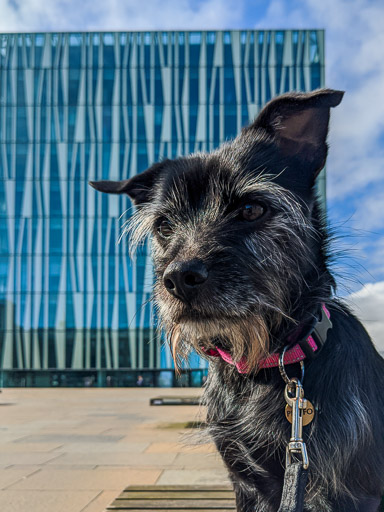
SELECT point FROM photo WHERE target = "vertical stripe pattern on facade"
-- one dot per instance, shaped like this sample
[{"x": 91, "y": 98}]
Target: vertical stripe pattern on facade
[{"x": 76, "y": 107}]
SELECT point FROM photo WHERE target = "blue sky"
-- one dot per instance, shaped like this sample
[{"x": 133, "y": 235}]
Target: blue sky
[{"x": 355, "y": 63}]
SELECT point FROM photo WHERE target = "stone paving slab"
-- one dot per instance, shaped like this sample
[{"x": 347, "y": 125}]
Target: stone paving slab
[
  {"x": 115, "y": 459},
  {"x": 6, "y": 436},
  {"x": 68, "y": 438},
  {"x": 27, "y": 447},
  {"x": 179, "y": 448},
  {"x": 103, "y": 447},
  {"x": 33, "y": 458},
  {"x": 197, "y": 460},
  {"x": 46, "y": 501},
  {"x": 149, "y": 436},
  {"x": 84, "y": 467},
  {"x": 77, "y": 449},
  {"x": 101, "y": 501},
  {"x": 106, "y": 479},
  {"x": 13, "y": 475},
  {"x": 95, "y": 430},
  {"x": 124, "y": 468},
  {"x": 193, "y": 477}
]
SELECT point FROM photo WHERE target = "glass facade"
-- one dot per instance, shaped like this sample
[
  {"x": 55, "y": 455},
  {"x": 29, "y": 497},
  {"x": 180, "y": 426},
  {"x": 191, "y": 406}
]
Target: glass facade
[{"x": 76, "y": 107}]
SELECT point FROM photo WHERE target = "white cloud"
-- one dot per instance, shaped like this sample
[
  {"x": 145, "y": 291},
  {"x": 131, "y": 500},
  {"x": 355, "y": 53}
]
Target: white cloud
[
  {"x": 371, "y": 210},
  {"x": 371, "y": 256},
  {"x": 368, "y": 305},
  {"x": 71, "y": 15}
]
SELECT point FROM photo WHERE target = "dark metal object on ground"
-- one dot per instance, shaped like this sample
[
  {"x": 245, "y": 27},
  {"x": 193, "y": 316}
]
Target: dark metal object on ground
[
  {"x": 175, "y": 498},
  {"x": 175, "y": 400}
]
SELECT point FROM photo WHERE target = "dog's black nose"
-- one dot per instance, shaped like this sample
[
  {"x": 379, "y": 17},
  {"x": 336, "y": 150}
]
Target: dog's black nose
[{"x": 183, "y": 278}]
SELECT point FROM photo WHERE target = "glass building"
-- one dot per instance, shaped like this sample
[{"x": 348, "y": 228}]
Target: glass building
[{"x": 74, "y": 107}]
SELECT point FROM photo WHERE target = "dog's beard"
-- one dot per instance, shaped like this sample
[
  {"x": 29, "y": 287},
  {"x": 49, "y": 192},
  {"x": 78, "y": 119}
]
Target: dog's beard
[
  {"x": 242, "y": 337},
  {"x": 244, "y": 329}
]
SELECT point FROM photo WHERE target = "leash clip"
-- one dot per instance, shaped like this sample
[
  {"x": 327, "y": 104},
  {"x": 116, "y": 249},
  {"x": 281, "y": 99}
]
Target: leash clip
[{"x": 294, "y": 396}]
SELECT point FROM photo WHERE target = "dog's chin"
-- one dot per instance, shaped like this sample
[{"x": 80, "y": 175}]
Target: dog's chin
[
  {"x": 245, "y": 337},
  {"x": 202, "y": 332}
]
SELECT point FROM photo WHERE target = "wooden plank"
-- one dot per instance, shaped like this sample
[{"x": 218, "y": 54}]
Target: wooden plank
[
  {"x": 164, "y": 509},
  {"x": 187, "y": 507},
  {"x": 175, "y": 494},
  {"x": 173, "y": 503},
  {"x": 174, "y": 498},
  {"x": 198, "y": 488}
]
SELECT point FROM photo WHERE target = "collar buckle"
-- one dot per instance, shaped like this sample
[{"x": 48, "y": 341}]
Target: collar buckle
[{"x": 312, "y": 343}]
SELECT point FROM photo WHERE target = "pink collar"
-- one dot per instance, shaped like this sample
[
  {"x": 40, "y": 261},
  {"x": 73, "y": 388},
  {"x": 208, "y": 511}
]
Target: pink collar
[{"x": 309, "y": 346}]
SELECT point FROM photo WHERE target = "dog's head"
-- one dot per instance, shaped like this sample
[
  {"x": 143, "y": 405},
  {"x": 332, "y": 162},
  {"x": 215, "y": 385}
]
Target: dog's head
[{"x": 236, "y": 241}]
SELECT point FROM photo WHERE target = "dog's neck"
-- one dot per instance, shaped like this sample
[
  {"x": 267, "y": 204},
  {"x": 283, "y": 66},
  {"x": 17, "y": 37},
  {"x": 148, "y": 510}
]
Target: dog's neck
[{"x": 305, "y": 343}]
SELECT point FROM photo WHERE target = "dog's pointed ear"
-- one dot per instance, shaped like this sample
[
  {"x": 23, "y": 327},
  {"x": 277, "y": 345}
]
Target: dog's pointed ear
[
  {"x": 298, "y": 123},
  {"x": 138, "y": 188}
]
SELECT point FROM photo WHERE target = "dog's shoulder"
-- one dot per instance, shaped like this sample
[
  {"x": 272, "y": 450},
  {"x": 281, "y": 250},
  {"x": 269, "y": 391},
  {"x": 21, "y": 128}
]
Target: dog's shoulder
[{"x": 349, "y": 363}]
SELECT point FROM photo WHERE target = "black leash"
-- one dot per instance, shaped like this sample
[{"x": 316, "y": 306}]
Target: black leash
[
  {"x": 298, "y": 412},
  {"x": 295, "y": 480}
]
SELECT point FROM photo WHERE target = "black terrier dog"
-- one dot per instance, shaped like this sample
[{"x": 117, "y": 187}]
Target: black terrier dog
[{"x": 241, "y": 258}]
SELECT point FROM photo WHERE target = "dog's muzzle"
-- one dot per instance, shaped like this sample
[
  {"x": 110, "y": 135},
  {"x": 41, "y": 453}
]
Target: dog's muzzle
[{"x": 184, "y": 279}]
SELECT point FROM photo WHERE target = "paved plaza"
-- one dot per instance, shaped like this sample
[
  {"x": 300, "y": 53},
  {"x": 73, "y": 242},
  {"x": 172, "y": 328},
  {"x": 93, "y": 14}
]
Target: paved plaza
[{"x": 74, "y": 450}]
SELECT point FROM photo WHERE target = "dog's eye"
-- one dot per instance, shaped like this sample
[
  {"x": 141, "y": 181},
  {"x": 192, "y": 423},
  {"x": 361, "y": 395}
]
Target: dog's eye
[
  {"x": 164, "y": 228},
  {"x": 252, "y": 211}
]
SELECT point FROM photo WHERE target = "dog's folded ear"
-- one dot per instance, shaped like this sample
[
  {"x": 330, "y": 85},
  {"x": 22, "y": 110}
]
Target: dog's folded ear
[
  {"x": 298, "y": 123},
  {"x": 138, "y": 188}
]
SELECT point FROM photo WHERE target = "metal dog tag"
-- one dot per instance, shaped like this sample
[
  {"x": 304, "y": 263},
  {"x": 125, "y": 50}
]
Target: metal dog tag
[{"x": 308, "y": 413}]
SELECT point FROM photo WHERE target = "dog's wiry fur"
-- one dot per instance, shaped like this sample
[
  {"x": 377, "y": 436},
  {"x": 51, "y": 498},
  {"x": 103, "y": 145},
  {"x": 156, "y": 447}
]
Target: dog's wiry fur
[{"x": 265, "y": 279}]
